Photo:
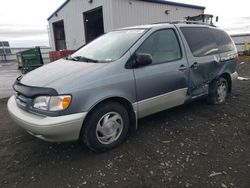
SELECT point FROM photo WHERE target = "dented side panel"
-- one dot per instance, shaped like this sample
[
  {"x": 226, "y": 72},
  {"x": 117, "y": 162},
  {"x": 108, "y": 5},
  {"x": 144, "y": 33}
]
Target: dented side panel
[{"x": 204, "y": 69}]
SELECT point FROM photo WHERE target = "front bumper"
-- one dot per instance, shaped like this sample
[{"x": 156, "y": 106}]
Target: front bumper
[{"x": 53, "y": 129}]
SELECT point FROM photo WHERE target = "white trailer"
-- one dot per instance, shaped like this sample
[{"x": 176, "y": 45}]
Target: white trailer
[{"x": 240, "y": 40}]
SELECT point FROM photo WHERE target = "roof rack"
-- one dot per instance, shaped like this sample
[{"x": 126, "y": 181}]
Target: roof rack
[{"x": 186, "y": 22}]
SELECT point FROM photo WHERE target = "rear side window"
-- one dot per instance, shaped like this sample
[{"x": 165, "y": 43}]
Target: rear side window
[
  {"x": 223, "y": 41},
  {"x": 162, "y": 45},
  {"x": 200, "y": 40}
]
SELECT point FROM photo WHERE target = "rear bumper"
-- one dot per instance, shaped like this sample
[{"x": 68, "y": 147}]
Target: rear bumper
[
  {"x": 234, "y": 76},
  {"x": 53, "y": 129}
]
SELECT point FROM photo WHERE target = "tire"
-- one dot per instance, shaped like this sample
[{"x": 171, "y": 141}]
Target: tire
[
  {"x": 218, "y": 91},
  {"x": 106, "y": 127}
]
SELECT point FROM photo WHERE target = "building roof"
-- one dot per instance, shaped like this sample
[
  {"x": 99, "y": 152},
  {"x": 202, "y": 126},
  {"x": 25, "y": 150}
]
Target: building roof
[
  {"x": 58, "y": 9},
  {"x": 176, "y": 4},
  {"x": 151, "y": 1}
]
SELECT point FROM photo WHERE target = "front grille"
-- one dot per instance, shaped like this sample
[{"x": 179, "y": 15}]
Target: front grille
[{"x": 23, "y": 101}]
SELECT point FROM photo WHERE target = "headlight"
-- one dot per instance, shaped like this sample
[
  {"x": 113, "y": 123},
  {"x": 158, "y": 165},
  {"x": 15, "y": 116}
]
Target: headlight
[{"x": 52, "y": 103}]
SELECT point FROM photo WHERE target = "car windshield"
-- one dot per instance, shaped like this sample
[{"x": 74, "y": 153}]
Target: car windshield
[{"x": 109, "y": 47}]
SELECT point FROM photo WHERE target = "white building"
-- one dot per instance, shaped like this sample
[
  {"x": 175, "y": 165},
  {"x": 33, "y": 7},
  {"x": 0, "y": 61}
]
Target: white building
[
  {"x": 239, "y": 41},
  {"x": 76, "y": 22}
]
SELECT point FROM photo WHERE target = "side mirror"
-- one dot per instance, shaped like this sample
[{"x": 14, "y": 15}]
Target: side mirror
[{"x": 143, "y": 59}]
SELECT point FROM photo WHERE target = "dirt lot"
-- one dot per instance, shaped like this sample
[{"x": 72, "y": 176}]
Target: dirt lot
[{"x": 195, "y": 145}]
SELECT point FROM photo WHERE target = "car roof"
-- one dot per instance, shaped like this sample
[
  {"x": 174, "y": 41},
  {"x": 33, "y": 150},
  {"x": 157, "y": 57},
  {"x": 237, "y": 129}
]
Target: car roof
[
  {"x": 162, "y": 24},
  {"x": 148, "y": 26}
]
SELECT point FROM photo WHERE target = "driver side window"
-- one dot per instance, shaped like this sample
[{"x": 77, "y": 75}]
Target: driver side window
[{"x": 162, "y": 45}]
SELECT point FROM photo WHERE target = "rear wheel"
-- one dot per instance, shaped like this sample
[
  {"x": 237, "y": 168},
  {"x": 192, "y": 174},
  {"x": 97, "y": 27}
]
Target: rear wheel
[
  {"x": 106, "y": 127},
  {"x": 218, "y": 91}
]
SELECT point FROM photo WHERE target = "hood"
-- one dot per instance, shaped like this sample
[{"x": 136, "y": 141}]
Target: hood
[{"x": 61, "y": 72}]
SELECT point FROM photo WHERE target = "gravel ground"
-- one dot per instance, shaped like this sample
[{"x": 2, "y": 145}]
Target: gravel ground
[{"x": 194, "y": 145}]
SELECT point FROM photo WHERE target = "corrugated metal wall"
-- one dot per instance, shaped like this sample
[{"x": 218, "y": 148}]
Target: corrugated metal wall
[
  {"x": 72, "y": 15},
  {"x": 116, "y": 14},
  {"x": 134, "y": 12}
]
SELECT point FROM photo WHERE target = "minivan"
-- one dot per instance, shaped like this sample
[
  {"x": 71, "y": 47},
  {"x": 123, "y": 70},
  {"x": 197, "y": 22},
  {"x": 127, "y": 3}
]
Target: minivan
[{"x": 98, "y": 93}]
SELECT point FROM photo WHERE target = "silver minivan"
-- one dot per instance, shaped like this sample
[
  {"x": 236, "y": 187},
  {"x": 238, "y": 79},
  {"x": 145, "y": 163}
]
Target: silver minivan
[{"x": 98, "y": 94}]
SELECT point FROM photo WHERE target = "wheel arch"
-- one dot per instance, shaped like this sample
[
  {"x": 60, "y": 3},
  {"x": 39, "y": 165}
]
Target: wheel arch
[
  {"x": 228, "y": 78},
  {"x": 122, "y": 101}
]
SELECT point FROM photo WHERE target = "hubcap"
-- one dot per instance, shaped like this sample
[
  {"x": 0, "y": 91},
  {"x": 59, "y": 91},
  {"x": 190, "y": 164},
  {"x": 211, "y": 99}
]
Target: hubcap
[
  {"x": 222, "y": 92},
  {"x": 109, "y": 128}
]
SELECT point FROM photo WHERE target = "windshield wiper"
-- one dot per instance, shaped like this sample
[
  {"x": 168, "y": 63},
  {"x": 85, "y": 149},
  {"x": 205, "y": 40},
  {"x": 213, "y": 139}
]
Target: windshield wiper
[{"x": 81, "y": 58}]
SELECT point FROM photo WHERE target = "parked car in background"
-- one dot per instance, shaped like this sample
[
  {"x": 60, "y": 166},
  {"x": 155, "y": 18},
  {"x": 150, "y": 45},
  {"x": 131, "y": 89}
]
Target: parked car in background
[{"x": 98, "y": 93}]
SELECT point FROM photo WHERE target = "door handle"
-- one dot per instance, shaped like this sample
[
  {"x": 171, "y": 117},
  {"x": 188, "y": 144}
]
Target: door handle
[
  {"x": 194, "y": 65},
  {"x": 182, "y": 68}
]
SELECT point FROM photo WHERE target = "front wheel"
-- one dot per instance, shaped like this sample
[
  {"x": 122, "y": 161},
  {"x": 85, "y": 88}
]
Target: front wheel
[
  {"x": 106, "y": 127},
  {"x": 218, "y": 91}
]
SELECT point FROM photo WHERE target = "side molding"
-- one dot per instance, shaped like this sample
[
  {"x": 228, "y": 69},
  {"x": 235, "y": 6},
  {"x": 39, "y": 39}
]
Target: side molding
[{"x": 161, "y": 102}]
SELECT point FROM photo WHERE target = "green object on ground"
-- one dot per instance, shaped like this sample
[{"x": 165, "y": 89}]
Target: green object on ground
[{"x": 29, "y": 60}]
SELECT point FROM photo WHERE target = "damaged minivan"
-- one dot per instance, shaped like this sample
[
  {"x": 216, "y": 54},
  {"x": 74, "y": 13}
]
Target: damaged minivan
[{"x": 97, "y": 94}]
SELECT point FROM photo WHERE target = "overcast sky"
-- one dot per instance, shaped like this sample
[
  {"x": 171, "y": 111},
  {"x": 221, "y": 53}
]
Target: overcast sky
[{"x": 24, "y": 22}]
